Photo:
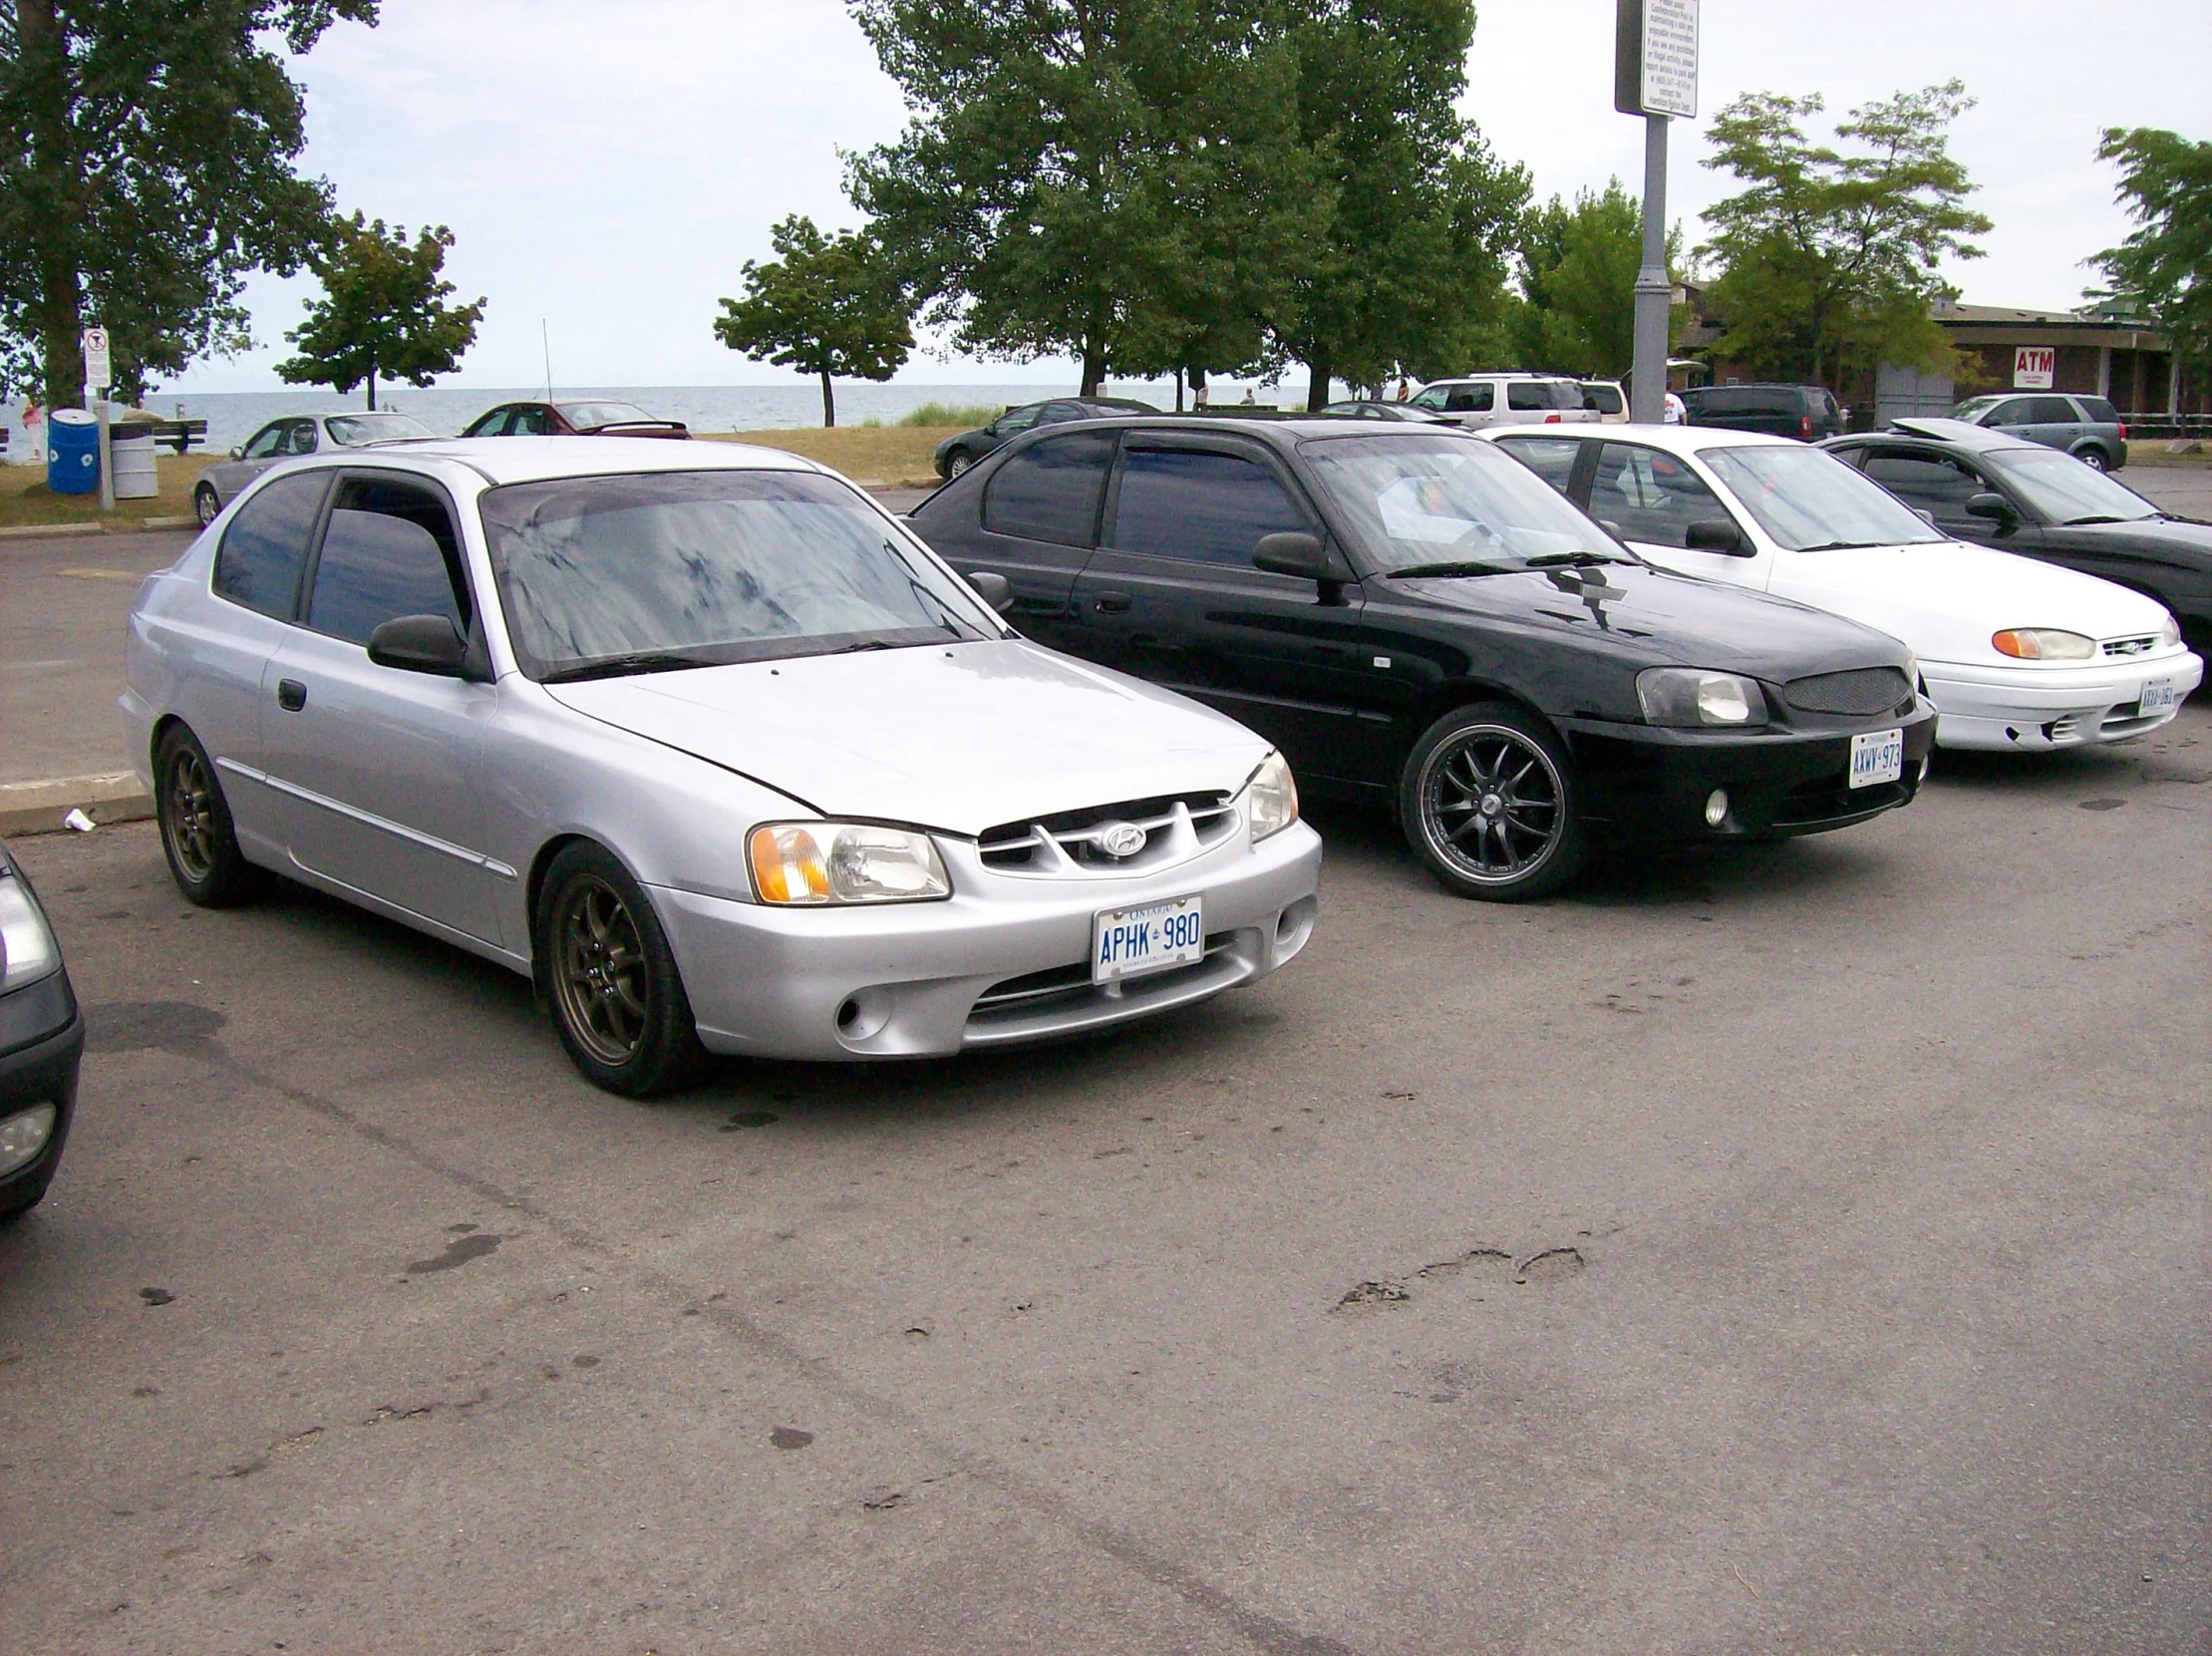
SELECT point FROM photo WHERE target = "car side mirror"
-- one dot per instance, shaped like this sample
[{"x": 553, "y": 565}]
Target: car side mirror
[
  {"x": 1992, "y": 507},
  {"x": 1716, "y": 535},
  {"x": 238, "y": 450},
  {"x": 1293, "y": 552},
  {"x": 419, "y": 645},
  {"x": 991, "y": 588},
  {"x": 1924, "y": 515}
]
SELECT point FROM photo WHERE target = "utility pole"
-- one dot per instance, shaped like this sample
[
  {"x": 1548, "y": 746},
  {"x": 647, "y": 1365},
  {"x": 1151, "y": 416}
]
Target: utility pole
[{"x": 1655, "y": 74}]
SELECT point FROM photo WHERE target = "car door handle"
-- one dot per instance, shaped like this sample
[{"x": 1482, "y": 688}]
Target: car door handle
[
  {"x": 291, "y": 695},
  {"x": 1114, "y": 604}
]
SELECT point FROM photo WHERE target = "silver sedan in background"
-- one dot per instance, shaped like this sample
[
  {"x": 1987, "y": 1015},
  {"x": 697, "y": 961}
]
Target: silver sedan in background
[
  {"x": 294, "y": 434},
  {"x": 707, "y": 742}
]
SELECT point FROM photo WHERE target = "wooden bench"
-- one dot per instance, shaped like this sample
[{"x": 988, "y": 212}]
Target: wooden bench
[{"x": 180, "y": 435}]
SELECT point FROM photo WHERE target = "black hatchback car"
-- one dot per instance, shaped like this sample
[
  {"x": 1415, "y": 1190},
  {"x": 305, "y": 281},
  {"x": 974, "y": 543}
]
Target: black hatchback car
[
  {"x": 1805, "y": 411},
  {"x": 962, "y": 449},
  {"x": 1417, "y": 620},
  {"x": 42, "y": 1040},
  {"x": 1998, "y": 489}
]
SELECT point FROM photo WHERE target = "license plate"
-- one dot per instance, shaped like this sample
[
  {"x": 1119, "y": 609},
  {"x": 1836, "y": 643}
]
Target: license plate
[
  {"x": 1876, "y": 756},
  {"x": 2158, "y": 697},
  {"x": 1130, "y": 943}
]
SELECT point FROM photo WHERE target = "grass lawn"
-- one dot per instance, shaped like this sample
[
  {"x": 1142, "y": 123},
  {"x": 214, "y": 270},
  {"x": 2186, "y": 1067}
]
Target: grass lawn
[
  {"x": 2152, "y": 452},
  {"x": 25, "y": 498},
  {"x": 894, "y": 454}
]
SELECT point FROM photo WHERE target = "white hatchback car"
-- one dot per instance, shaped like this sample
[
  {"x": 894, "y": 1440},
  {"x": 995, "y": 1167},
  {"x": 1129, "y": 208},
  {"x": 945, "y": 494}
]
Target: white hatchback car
[
  {"x": 706, "y": 741},
  {"x": 2014, "y": 653}
]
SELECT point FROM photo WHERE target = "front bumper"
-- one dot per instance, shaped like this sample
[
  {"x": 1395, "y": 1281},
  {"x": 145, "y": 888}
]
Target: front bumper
[
  {"x": 903, "y": 980},
  {"x": 1653, "y": 783},
  {"x": 2036, "y": 708},
  {"x": 42, "y": 1044}
]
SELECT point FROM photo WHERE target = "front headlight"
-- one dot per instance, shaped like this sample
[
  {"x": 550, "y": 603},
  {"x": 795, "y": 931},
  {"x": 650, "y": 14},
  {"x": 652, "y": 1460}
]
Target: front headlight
[
  {"x": 1692, "y": 696},
  {"x": 2043, "y": 644},
  {"x": 26, "y": 947},
  {"x": 818, "y": 863},
  {"x": 1271, "y": 798},
  {"x": 2169, "y": 632}
]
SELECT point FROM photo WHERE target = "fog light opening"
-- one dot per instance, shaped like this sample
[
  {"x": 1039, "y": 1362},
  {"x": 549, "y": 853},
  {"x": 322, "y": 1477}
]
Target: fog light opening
[
  {"x": 24, "y": 1134},
  {"x": 1716, "y": 808},
  {"x": 863, "y": 1015}
]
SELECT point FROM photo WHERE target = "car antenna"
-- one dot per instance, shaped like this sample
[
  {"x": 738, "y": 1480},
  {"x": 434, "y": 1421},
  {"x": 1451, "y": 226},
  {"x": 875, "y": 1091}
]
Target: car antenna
[{"x": 545, "y": 343}]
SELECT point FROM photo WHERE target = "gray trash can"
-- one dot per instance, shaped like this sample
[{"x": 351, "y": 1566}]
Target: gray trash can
[{"x": 137, "y": 473}]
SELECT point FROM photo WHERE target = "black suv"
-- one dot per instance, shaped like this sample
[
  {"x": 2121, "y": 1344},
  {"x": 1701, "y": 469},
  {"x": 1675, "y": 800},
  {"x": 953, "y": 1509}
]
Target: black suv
[
  {"x": 961, "y": 451},
  {"x": 1417, "y": 620},
  {"x": 1805, "y": 411}
]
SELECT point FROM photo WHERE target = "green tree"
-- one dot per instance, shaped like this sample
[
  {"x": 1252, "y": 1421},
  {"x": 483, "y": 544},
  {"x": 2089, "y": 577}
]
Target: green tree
[
  {"x": 825, "y": 305},
  {"x": 1408, "y": 264},
  {"x": 1577, "y": 270},
  {"x": 383, "y": 313},
  {"x": 2166, "y": 265},
  {"x": 1117, "y": 180},
  {"x": 146, "y": 165},
  {"x": 1830, "y": 259}
]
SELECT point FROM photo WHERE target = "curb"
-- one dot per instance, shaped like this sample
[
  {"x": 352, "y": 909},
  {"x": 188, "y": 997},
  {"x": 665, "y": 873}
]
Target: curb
[
  {"x": 100, "y": 526},
  {"x": 39, "y": 807}
]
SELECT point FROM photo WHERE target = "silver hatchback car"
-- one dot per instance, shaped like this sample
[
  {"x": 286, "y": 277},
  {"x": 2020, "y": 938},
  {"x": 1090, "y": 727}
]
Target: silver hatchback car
[
  {"x": 709, "y": 744},
  {"x": 294, "y": 434}
]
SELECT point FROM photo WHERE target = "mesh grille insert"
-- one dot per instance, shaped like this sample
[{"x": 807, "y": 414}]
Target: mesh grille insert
[{"x": 1862, "y": 691}]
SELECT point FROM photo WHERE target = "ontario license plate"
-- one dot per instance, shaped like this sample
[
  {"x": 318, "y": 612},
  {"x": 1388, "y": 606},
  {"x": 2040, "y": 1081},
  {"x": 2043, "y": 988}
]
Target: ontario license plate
[
  {"x": 2158, "y": 697},
  {"x": 1130, "y": 943},
  {"x": 1878, "y": 756}
]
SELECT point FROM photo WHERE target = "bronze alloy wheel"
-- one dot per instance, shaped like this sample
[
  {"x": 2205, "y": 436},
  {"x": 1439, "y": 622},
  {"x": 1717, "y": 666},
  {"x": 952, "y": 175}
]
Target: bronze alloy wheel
[
  {"x": 600, "y": 971},
  {"x": 190, "y": 821},
  {"x": 1492, "y": 806}
]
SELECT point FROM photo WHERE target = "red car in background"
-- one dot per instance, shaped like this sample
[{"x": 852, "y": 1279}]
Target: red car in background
[{"x": 582, "y": 417}]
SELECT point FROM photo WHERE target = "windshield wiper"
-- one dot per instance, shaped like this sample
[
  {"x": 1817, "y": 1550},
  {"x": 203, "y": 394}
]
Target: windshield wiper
[
  {"x": 1573, "y": 560},
  {"x": 1416, "y": 571},
  {"x": 866, "y": 644},
  {"x": 1850, "y": 545},
  {"x": 637, "y": 661},
  {"x": 2102, "y": 518}
]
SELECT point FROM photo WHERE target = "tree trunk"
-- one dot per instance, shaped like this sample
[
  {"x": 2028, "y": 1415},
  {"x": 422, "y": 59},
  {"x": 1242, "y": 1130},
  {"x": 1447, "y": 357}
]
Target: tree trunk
[
  {"x": 1094, "y": 365},
  {"x": 50, "y": 200},
  {"x": 372, "y": 391},
  {"x": 828, "y": 401},
  {"x": 1317, "y": 390}
]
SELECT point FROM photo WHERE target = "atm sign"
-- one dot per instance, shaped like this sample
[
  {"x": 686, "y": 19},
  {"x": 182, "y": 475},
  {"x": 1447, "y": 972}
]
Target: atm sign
[{"x": 2034, "y": 368}]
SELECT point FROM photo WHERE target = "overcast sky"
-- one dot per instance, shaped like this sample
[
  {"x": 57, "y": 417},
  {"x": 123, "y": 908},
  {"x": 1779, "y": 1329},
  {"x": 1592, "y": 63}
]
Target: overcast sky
[{"x": 607, "y": 165}]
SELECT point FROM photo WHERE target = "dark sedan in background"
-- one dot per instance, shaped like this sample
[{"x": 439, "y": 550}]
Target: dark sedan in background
[
  {"x": 42, "y": 1040},
  {"x": 585, "y": 416},
  {"x": 1997, "y": 489},
  {"x": 961, "y": 451},
  {"x": 1418, "y": 621}
]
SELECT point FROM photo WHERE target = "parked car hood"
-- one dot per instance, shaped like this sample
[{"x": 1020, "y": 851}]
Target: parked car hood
[
  {"x": 1945, "y": 600},
  {"x": 1658, "y": 618},
  {"x": 2184, "y": 537},
  {"x": 961, "y": 737}
]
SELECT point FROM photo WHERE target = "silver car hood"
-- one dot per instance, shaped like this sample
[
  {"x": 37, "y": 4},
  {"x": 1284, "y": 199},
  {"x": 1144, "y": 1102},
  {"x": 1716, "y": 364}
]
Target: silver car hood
[{"x": 961, "y": 737}]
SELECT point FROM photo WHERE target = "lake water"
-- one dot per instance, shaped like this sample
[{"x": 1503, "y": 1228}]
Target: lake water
[{"x": 232, "y": 417}]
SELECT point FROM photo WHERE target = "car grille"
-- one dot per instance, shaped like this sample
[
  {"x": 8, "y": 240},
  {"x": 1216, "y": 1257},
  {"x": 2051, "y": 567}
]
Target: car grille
[
  {"x": 1068, "y": 841},
  {"x": 1067, "y": 984},
  {"x": 1863, "y": 692},
  {"x": 2131, "y": 646},
  {"x": 1816, "y": 805}
]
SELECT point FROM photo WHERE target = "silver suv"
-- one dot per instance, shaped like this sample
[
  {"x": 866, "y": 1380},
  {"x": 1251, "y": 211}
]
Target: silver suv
[
  {"x": 1480, "y": 399},
  {"x": 2087, "y": 427}
]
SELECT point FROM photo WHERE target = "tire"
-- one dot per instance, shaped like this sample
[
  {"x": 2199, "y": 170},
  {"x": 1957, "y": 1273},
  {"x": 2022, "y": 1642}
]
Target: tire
[
  {"x": 956, "y": 462},
  {"x": 619, "y": 1000},
  {"x": 2095, "y": 459},
  {"x": 198, "y": 836},
  {"x": 1488, "y": 801},
  {"x": 204, "y": 505}
]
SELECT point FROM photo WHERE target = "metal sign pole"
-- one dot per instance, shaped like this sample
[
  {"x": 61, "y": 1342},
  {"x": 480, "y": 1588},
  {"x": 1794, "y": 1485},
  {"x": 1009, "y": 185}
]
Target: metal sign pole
[
  {"x": 106, "y": 455},
  {"x": 1648, "y": 389}
]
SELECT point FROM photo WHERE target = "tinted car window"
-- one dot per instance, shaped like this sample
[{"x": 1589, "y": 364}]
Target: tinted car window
[
  {"x": 1653, "y": 496},
  {"x": 259, "y": 562},
  {"x": 1016, "y": 419},
  {"x": 2051, "y": 411},
  {"x": 1531, "y": 394},
  {"x": 529, "y": 421},
  {"x": 1198, "y": 505},
  {"x": 265, "y": 443},
  {"x": 2098, "y": 409},
  {"x": 1604, "y": 398},
  {"x": 374, "y": 568},
  {"x": 1051, "y": 490},
  {"x": 303, "y": 438},
  {"x": 494, "y": 423},
  {"x": 2066, "y": 491},
  {"x": 1550, "y": 457},
  {"x": 1942, "y": 486},
  {"x": 1433, "y": 398},
  {"x": 2014, "y": 413},
  {"x": 1469, "y": 398}
]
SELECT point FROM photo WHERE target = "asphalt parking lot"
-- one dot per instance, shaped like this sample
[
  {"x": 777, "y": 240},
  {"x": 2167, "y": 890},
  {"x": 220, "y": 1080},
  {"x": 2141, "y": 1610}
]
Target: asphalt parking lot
[{"x": 1798, "y": 1249}]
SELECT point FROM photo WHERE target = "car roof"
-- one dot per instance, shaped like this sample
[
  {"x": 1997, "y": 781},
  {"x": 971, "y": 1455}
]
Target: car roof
[
  {"x": 1675, "y": 438},
  {"x": 504, "y": 459}
]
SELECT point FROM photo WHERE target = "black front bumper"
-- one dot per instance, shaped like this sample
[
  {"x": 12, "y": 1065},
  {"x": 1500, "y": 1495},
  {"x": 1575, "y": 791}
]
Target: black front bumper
[
  {"x": 1642, "y": 782},
  {"x": 42, "y": 1044}
]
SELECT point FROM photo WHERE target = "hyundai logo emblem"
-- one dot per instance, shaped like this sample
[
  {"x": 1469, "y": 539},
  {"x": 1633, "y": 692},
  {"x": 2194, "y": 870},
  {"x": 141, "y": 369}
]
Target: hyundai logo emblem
[{"x": 1119, "y": 839}]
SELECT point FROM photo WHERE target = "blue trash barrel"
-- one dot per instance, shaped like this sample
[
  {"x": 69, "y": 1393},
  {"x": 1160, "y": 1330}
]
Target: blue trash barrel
[{"x": 72, "y": 451}]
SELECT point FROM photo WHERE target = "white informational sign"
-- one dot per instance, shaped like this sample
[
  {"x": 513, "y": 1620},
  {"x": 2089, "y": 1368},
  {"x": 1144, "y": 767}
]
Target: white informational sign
[
  {"x": 1655, "y": 63},
  {"x": 2034, "y": 368},
  {"x": 98, "y": 371}
]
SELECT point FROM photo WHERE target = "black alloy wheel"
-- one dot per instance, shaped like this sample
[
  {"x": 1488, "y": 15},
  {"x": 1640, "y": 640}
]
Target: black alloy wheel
[
  {"x": 197, "y": 832},
  {"x": 204, "y": 505},
  {"x": 1488, "y": 800},
  {"x": 618, "y": 999}
]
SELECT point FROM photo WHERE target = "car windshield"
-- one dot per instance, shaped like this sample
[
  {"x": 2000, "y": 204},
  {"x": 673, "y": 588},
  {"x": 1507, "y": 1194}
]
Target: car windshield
[
  {"x": 1972, "y": 406},
  {"x": 1418, "y": 501},
  {"x": 2066, "y": 490},
  {"x": 1807, "y": 501},
  {"x": 351, "y": 431},
  {"x": 604, "y": 575},
  {"x": 584, "y": 415}
]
